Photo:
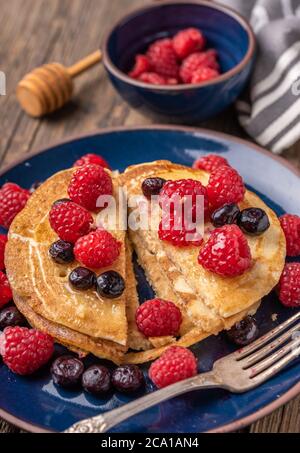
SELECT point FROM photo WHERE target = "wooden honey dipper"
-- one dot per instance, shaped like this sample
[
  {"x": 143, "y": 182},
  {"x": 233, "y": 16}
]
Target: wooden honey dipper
[{"x": 50, "y": 86}]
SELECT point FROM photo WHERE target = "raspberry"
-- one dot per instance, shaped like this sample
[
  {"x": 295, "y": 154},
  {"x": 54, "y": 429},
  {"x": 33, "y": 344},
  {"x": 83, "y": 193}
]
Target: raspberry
[
  {"x": 177, "y": 233},
  {"x": 3, "y": 241},
  {"x": 291, "y": 227},
  {"x": 153, "y": 78},
  {"x": 5, "y": 290},
  {"x": 12, "y": 200},
  {"x": 225, "y": 185},
  {"x": 70, "y": 221},
  {"x": 204, "y": 74},
  {"x": 25, "y": 350},
  {"x": 176, "y": 363},
  {"x": 88, "y": 183},
  {"x": 188, "y": 41},
  {"x": 172, "y": 81},
  {"x": 226, "y": 252},
  {"x": 157, "y": 79},
  {"x": 97, "y": 249},
  {"x": 183, "y": 188},
  {"x": 195, "y": 61},
  {"x": 11, "y": 186},
  {"x": 210, "y": 162},
  {"x": 91, "y": 159},
  {"x": 158, "y": 317},
  {"x": 289, "y": 285},
  {"x": 163, "y": 58},
  {"x": 141, "y": 65}
]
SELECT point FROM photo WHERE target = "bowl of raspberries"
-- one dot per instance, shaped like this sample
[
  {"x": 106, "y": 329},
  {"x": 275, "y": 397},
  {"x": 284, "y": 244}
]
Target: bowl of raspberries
[{"x": 187, "y": 60}]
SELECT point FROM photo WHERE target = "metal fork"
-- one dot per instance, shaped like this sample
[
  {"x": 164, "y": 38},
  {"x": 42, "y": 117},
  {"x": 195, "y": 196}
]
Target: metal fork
[{"x": 237, "y": 372}]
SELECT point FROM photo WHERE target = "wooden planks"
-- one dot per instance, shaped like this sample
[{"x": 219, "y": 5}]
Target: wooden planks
[
  {"x": 34, "y": 32},
  {"x": 284, "y": 420}
]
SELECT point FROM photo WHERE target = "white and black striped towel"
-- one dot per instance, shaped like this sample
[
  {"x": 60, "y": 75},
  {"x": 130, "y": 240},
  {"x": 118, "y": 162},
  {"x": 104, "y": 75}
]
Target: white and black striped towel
[{"x": 270, "y": 113}]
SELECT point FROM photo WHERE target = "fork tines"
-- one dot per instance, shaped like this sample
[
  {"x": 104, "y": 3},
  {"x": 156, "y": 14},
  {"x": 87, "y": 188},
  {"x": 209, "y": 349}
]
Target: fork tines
[{"x": 263, "y": 359}]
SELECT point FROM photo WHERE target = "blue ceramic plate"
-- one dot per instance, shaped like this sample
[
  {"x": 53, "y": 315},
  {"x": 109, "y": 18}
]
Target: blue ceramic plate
[{"x": 34, "y": 403}]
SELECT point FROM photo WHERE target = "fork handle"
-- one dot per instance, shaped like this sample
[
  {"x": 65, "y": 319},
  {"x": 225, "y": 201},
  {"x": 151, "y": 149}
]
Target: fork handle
[{"x": 102, "y": 423}]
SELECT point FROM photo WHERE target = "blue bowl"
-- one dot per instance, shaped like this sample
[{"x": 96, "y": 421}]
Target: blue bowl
[{"x": 224, "y": 29}]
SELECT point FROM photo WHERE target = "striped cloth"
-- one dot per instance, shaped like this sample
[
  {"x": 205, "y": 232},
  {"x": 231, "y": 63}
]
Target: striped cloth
[{"x": 270, "y": 111}]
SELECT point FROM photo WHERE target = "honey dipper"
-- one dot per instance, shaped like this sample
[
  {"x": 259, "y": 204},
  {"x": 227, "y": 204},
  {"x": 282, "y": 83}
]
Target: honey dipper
[{"x": 50, "y": 86}]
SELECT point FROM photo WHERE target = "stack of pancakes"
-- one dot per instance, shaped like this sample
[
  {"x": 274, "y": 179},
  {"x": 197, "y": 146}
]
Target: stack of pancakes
[{"x": 88, "y": 323}]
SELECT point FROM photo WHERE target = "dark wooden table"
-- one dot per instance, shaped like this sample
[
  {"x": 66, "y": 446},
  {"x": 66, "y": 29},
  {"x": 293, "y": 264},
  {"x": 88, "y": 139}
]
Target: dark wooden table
[{"x": 34, "y": 32}]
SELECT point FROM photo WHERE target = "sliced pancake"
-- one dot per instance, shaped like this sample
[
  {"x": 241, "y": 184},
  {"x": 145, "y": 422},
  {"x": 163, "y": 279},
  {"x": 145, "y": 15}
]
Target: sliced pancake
[
  {"x": 43, "y": 285},
  {"x": 209, "y": 299}
]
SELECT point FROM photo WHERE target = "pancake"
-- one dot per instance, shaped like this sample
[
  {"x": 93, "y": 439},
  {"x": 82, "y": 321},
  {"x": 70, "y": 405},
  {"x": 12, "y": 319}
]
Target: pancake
[
  {"x": 42, "y": 285},
  {"x": 207, "y": 301},
  {"x": 87, "y": 323}
]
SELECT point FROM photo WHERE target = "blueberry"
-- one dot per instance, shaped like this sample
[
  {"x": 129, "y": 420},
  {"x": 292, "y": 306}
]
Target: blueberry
[
  {"x": 61, "y": 200},
  {"x": 62, "y": 252},
  {"x": 253, "y": 221},
  {"x": 244, "y": 332},
  {"x": 66, "y": 371},
  {"x": 35, "y": 186},
  {"x": 82, "y": 278},
  {"x": 96, "y": 379},
  {"x": 227, "y": 214},
  {"x": 152, "y": 186},
  {"x": 110, "y": 284},
  {"x": 11, "y": 317},
  {"x": 127, "y": 378}
]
